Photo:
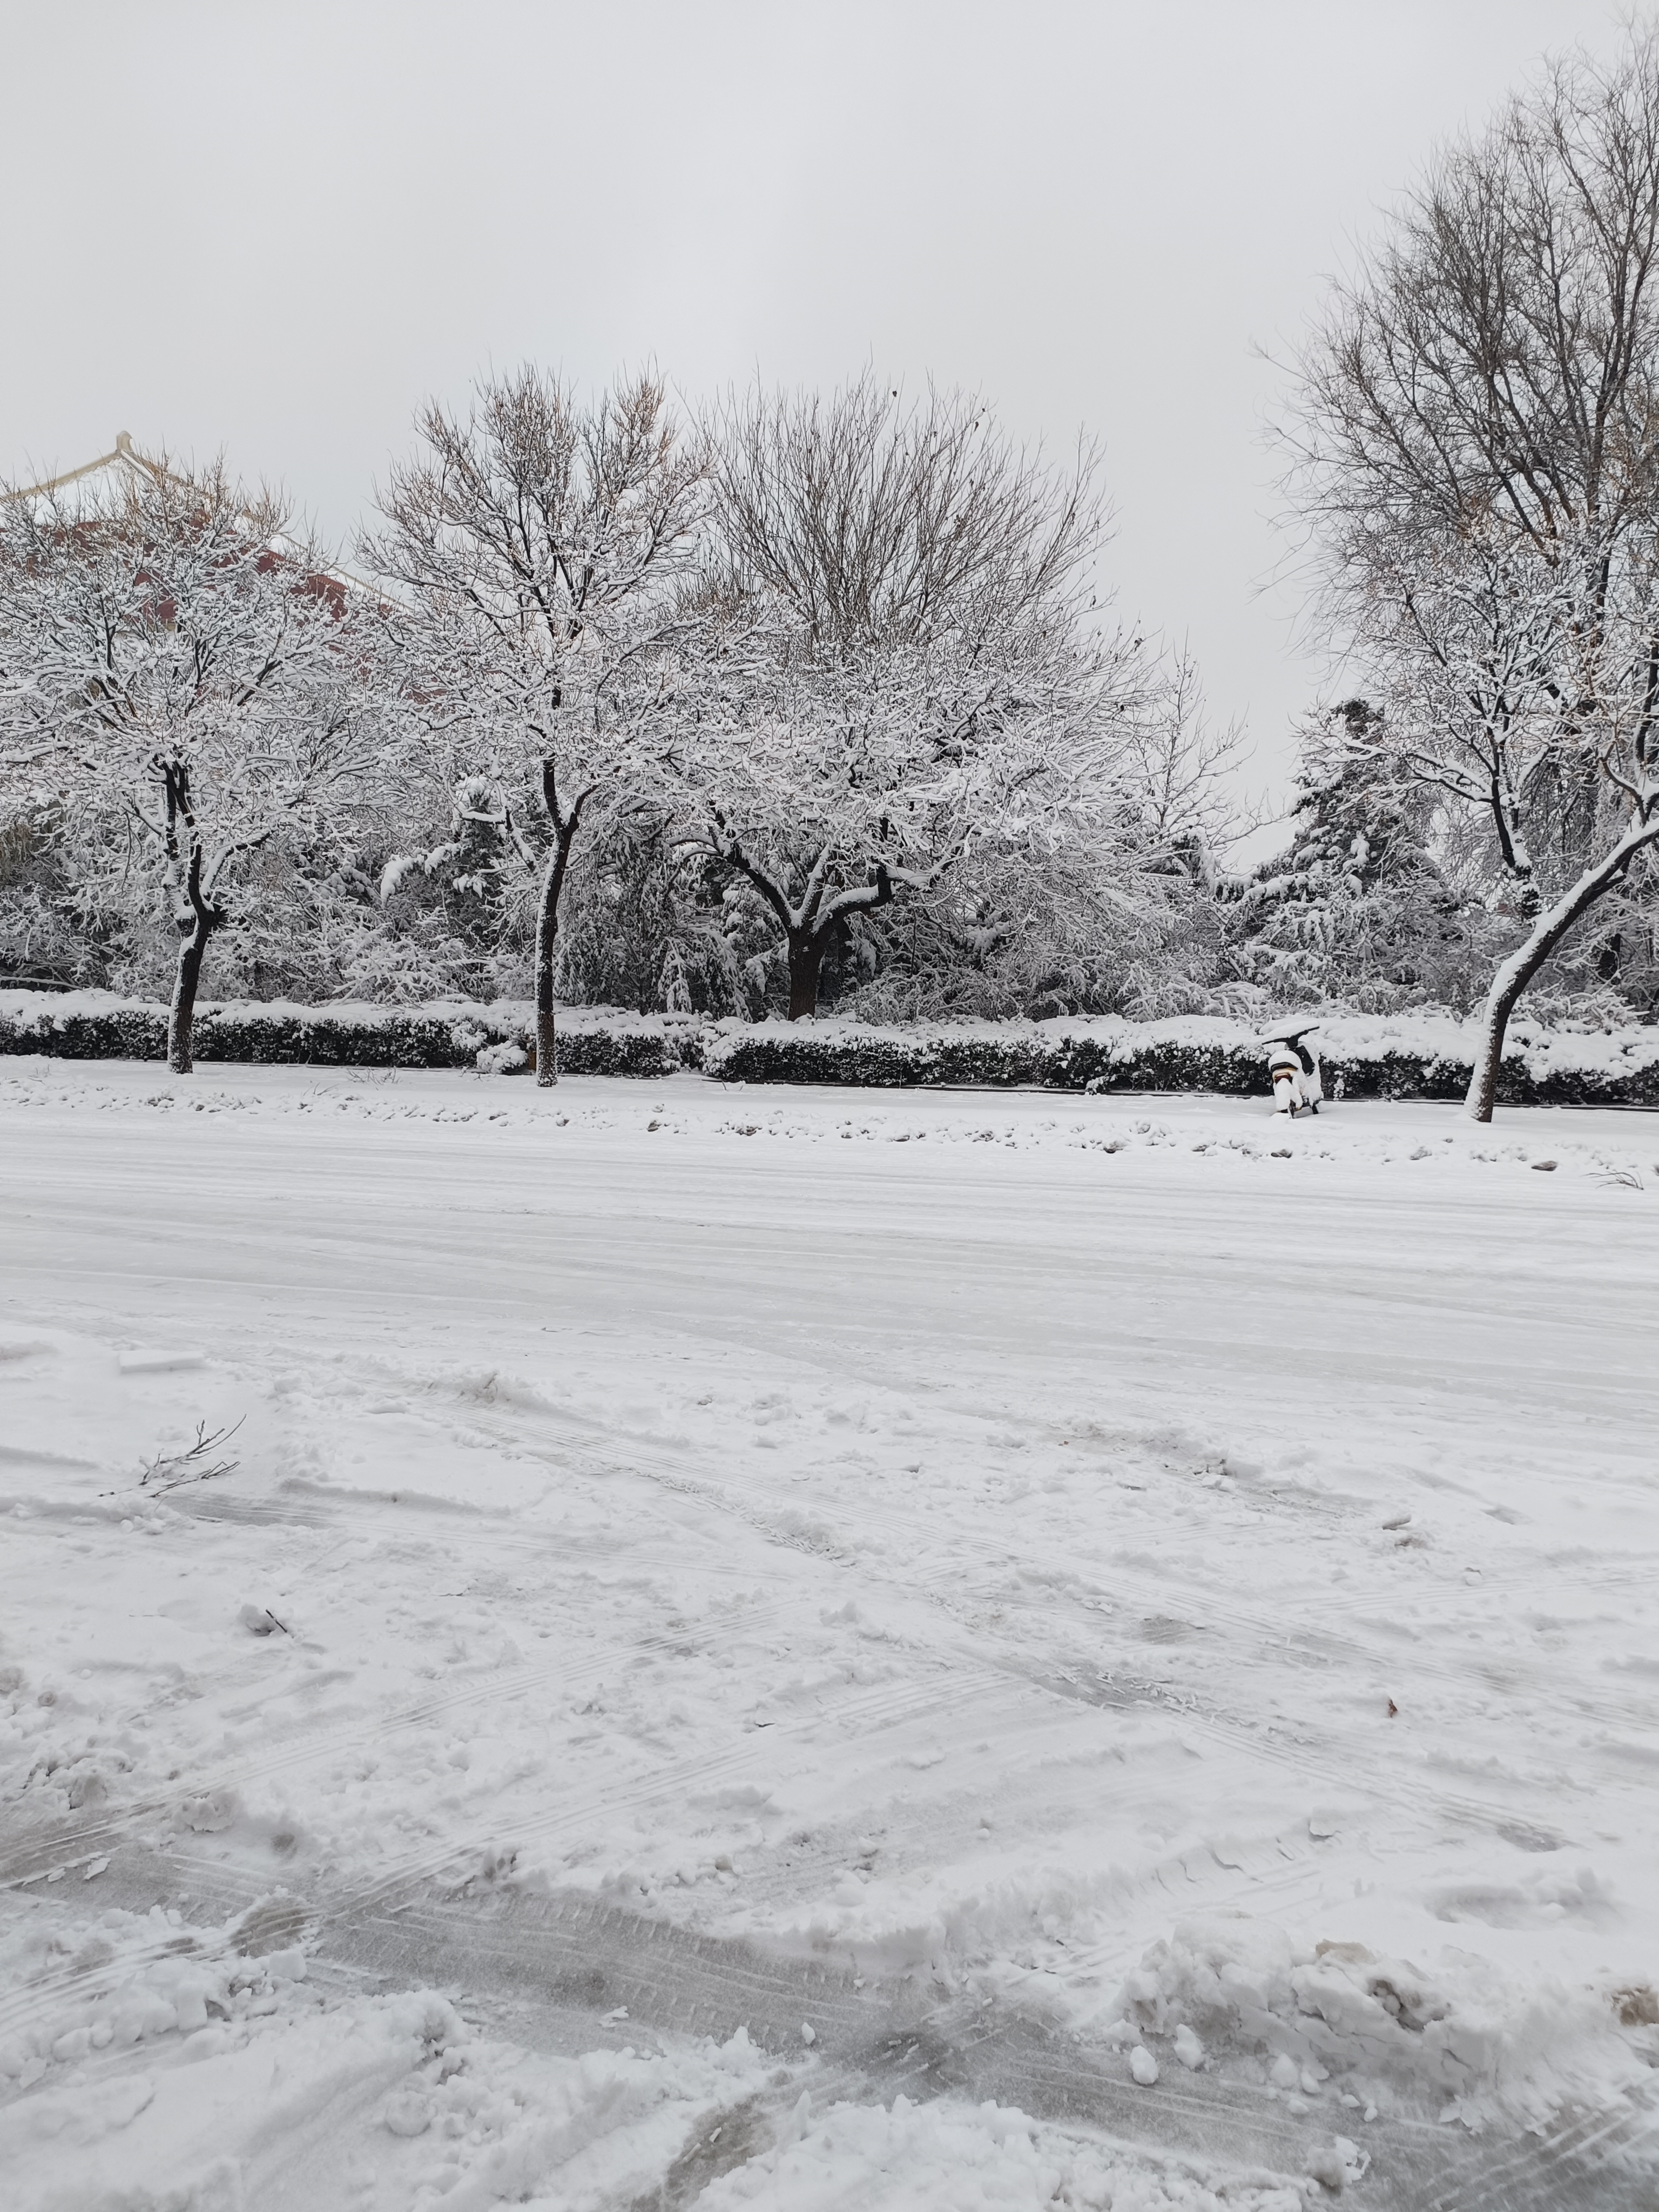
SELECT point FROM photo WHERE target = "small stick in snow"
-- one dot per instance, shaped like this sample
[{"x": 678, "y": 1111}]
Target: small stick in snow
[{"x": 168, "y": 1472}]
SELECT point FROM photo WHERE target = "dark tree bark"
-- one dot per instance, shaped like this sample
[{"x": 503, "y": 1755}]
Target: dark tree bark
[
  {"x": 807, "y": 950},
  {"x": 547, "y": 920},
  {"x": 808, "y": 945},
  {"x": 194, "y": 931},
  {"x": 195, "y": 915},
  {"x": 196, "y": 912},
  {"x": 809, "y": 925},
  {"x": 1518, "y": 970}
]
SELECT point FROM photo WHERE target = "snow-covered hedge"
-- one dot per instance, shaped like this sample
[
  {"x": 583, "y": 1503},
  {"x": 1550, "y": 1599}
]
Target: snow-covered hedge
[
  {"x": 1408, "y": 1056},
  {"x": 98, "y": 1026},
  {"x": 1420, "y": 1055}
]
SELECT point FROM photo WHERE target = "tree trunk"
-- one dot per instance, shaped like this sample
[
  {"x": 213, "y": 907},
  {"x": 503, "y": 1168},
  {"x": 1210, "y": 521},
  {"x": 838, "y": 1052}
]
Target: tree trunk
[
  {"x": 805, "y": 965},
  {"x": 547, "y": 934},
  {"x": 181, "y": 1015},
  {"x": 547, "y": 942},
  {"x": 1518, "y": 970},
  {"x": 1511, "y": 979},
  {"x": 547, "y": 918}
]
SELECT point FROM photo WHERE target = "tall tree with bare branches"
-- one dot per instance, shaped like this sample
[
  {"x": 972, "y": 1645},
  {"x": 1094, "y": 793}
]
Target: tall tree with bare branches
[
  {"x": 1475, "y": 455},
  {"x": 534, "y": 549}
]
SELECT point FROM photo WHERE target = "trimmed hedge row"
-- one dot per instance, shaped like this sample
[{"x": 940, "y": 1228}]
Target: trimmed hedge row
[
  {"x": 260, "y": 1034},
  {"x": 1058, "y": 1060},
  {"x": 1149, "y": 1063},
  {"x": 1129, "y": 1059},
  {"x": 1363, "y": 1059},
  {"x": 83, "y": 1025}
]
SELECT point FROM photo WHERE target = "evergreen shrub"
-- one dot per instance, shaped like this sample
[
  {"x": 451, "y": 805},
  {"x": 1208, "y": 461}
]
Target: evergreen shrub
[{"x": 1399, "y": 1057}]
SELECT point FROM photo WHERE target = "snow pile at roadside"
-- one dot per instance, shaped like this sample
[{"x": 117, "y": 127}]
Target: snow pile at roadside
[
  {"x": 946, "y": 2157},
  {"x": 1461, "y": 2043},
  {"x": 1617, "y": 1152},
  {"x": 248, "y": 2075},
  {"x": 123, "y": 1979},
  {"x": 188, "y": 2066}
]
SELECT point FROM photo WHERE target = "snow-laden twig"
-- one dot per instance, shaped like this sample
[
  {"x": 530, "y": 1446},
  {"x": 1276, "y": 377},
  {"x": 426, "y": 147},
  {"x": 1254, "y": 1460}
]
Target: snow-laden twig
[{"x": 169, "y": 1471}]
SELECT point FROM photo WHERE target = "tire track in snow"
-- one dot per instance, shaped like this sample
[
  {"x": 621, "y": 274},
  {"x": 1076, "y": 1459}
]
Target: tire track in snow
[
  {"x": 762, "y": 1508},
  {"x": 1052, "y": 1677},
  {"x": 571, "y": 1961},
  {"x": 39, "y": 1856},
  {"x": 757, "y": 1504},
  {"x": 882, "y": 1706}
]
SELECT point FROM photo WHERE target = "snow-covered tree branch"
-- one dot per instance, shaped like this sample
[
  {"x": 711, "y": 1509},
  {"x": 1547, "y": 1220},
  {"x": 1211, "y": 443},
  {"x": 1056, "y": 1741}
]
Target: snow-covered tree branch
[
  {"x": 182, "y": 669},
  {"x": 1476, "y": 460},
  {"x": 890, "y": 659},
  {"x": 530, "y": 554}
]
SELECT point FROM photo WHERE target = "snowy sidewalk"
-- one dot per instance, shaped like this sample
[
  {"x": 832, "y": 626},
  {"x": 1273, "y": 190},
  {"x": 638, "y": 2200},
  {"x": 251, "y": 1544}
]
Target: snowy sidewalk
[{"x": 1117, "y": 1580}]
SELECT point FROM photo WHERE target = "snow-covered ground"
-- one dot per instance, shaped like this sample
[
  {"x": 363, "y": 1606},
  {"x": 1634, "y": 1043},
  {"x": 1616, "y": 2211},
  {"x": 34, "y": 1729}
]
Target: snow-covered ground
[{"x": 815, "y": 1648}]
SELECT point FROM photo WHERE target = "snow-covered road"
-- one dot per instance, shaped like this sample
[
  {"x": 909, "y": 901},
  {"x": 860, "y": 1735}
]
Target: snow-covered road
[{"x": 1114, "y": 1606}]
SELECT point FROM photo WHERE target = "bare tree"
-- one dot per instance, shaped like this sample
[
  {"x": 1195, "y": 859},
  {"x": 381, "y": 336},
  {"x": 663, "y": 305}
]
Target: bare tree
[
  {"x": 894, "y": 655},
  {"x": 1180, "y": 766},
  {"x": 1475, "y": 453},
  {"x": 875, "y": 520},
  {"x": 180, "y": 665},
  {"x": 533, "y": 547}
]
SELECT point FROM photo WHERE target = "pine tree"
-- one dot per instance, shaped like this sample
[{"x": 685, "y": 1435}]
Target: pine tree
[{"x": 1358, "y": 910}]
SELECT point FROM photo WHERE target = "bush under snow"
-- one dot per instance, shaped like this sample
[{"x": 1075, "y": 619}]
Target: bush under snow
[{"x": 1405, "y": 1056}]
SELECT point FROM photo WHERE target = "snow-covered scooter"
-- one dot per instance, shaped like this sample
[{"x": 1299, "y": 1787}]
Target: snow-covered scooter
[{"x": 1293, "y": 1071}]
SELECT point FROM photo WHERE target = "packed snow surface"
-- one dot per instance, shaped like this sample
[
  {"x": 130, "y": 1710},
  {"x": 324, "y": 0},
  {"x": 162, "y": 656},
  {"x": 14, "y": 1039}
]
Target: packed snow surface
[{"x": 661, "y": 1646}]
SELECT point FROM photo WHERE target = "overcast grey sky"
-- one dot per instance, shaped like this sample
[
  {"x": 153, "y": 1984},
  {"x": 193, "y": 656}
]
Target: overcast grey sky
[{"x": 274, "y": 231}]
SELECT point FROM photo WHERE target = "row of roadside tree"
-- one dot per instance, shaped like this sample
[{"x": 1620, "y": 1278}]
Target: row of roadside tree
[
  {"x": 813, "y": 698},
  {"x": 778, "y": 675}
]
